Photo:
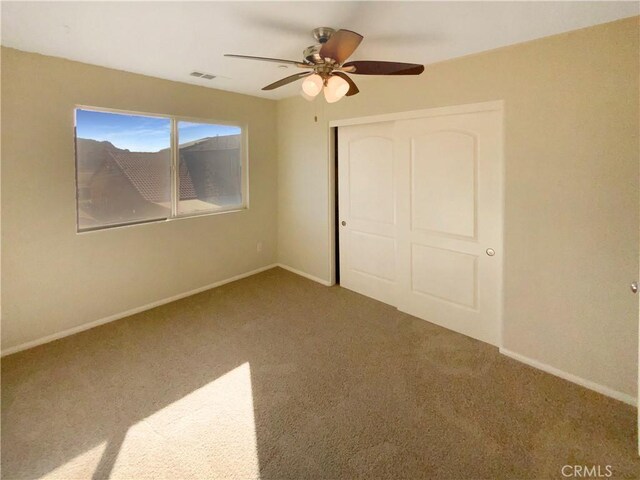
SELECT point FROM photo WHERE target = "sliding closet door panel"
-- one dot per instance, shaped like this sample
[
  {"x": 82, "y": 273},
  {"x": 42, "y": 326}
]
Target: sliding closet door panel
[
  {"x": 371, "y": 179},
  {"x": 366, "y": 177},
  {"x": 449, "y": 221}
]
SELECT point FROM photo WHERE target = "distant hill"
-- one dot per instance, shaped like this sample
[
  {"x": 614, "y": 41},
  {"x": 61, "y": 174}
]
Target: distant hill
[{"x": 93, "y": 153}]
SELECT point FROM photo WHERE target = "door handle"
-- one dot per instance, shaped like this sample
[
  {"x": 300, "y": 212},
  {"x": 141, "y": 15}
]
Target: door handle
[
  {"x": 491, "y": 252},
  {"x": 634, "y": 287},
  {"x": 343, "y": 223}
]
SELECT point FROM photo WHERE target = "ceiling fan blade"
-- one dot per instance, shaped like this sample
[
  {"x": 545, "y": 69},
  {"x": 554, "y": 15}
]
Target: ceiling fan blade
[
  {"x": 341, "y": 45},
  {"x": 273, "y": 60},
  {"x": 369, "y": 67},
  {"x": 286, "y": 80},
  {"x": 353, "y": 89}
]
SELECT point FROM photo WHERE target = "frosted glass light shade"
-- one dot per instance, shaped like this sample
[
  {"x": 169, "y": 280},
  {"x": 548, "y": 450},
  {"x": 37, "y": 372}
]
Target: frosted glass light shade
[
  {"x": 308, "y": 98},
  {"x": 337, "y": 87},
  {"x": 312, "y": 85}
]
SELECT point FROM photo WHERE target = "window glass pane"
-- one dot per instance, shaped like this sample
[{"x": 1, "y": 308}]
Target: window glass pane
[
  {"x": 123, "y": 167},
  {"x": 210, "y": 167}
]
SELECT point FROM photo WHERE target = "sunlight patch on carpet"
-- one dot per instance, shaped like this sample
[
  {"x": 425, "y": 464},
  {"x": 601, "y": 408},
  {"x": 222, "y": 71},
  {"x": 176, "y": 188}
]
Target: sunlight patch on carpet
[
  {"x": 211, "y": 430},
  {"x": 81, "y": 466}
]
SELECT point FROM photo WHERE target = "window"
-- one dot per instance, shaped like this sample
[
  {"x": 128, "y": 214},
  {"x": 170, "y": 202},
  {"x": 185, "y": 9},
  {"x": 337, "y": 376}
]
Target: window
[
  {"x": 128, "y": 172},
  {"x": 210, "y": 166},
  {"x": 123, "y": 168}
]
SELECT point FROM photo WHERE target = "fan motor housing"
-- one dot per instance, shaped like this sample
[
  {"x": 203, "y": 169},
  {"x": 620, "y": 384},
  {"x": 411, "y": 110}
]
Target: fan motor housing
[
  {"x": 322, "y": 34},
  {"x": 312, "y": 54}
]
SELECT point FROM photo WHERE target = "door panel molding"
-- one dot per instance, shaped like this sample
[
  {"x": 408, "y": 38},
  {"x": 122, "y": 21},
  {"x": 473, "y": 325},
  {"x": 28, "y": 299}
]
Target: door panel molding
[
  {"x": 455, "y": 283},
  {"x": 472, "y": 181}
]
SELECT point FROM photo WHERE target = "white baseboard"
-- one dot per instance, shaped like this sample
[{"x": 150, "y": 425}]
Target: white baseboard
[
  {"x": 609, "y": 392},
  {"x": 596, "y": 387},
  {"x": 305, "y": 275},
  {"x": 133, "y": 311}
]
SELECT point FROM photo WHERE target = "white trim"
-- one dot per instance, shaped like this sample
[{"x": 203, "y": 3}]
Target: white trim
[
  {"x": 429, "y": 112},
  {"x": 623, "y": 397},
  {"x": 326, "y": 283},
  {"x": 175, "y": 169},
  {"x": 331, "y": 188},
  {"x": 503, "y": 225},
  {"x": 596, "y": 387},
  {"x": 133, "y": 311}
]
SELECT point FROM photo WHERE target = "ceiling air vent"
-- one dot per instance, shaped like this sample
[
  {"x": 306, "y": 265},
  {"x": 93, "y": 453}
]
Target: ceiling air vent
[{"x": 206, "y": 76}]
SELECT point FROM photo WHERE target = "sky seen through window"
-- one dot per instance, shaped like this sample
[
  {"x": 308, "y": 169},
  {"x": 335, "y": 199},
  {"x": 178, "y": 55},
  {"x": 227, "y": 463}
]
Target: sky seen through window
[{"x": 139, "y": 133}]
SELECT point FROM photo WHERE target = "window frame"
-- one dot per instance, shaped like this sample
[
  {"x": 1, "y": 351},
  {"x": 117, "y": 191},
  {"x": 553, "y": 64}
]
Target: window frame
[{"x": 174, "y": 168}]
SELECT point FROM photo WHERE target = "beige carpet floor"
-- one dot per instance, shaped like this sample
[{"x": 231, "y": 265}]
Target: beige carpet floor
[{"x": 276, "y": 377}]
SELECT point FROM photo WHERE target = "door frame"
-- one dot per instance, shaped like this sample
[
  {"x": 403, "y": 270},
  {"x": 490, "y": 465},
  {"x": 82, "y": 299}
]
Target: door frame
[{"x": 495, "y": 105}]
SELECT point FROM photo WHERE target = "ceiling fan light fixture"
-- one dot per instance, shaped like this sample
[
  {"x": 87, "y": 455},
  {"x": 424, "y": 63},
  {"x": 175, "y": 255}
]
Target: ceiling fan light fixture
[
  {"x": 336, "y": 88},
  {"x": 312, "y": 85},
  {"x": 325, "y": 68}
]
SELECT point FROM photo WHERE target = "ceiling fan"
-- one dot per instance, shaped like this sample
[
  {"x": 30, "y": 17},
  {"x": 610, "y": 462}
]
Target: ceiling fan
[{"x": 326, "y": 67}]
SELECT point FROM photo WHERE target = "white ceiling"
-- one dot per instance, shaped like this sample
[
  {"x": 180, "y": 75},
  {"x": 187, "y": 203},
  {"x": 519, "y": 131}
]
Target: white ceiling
[{"x": 171, "y": 39}]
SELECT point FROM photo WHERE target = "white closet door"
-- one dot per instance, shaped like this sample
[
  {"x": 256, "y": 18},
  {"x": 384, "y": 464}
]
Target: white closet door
[
  {"x": 449, "y": 221},
  {"x": 367, "y": 210}
]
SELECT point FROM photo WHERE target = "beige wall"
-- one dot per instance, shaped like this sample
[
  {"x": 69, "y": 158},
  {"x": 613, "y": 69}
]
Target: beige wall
[
  {"x": 571, "y": 217},
  {"x": 54, "y": 279}
]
